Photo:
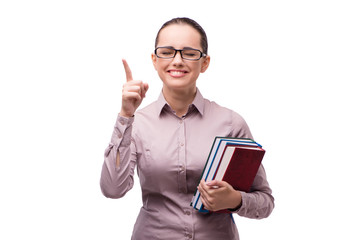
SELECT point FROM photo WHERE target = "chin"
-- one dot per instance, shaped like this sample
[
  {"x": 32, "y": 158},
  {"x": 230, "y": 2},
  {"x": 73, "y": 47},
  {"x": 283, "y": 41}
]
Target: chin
[{"x": 180, "y": 86}]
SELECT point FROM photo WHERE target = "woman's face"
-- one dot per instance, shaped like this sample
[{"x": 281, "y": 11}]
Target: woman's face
[{"x": 177, "y": 73}]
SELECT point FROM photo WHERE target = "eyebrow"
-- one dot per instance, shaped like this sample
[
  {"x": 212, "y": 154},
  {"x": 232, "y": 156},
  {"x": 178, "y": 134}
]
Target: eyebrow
[
  {"x": 189, "y": 48},
  {"x": 185, "y": 48}
]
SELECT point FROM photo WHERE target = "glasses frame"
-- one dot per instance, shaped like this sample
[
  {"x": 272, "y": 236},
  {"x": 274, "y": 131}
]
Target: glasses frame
[{"x": 181, "y": 53}]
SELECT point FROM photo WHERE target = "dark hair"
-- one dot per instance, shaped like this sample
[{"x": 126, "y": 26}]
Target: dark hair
[{"x": 192, "y": 23}]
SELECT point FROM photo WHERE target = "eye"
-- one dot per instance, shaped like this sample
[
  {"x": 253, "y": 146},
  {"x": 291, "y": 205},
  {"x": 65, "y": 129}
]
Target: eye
[
  {"x": 165, "y": 52},
  {"x": 191, "y": 54}
]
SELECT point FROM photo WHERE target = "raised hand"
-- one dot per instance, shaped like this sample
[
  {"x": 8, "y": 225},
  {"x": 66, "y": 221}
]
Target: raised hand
[{"x": 133, "y": 93}]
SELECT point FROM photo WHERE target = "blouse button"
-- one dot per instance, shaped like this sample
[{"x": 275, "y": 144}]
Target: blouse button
[{"x": 188, "y": 236}]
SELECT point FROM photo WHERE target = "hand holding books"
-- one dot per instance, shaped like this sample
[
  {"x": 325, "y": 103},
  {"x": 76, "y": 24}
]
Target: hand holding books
[
  {"x": 217, "y": 195},
  {"x": 231, "y": 167}
]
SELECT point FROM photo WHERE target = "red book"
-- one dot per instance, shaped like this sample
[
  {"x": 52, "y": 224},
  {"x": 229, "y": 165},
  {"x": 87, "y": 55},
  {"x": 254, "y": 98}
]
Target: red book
[
  {"x": 239, "y": 165},
  {"x": 234, "y": 160}
]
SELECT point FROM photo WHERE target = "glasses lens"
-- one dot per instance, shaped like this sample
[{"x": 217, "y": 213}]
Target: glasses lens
[
  {"x": 191, "y": 54},
  {"x": 165, "y": 52}
]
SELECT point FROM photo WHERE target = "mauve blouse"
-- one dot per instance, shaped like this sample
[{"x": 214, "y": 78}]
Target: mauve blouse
[{"x": 169, "y": 153}]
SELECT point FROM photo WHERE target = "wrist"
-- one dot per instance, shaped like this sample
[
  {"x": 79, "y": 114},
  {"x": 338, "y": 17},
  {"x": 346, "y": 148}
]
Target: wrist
[
  {"x": 126, "y": 114},
  {"x": 237, "y": 201}
]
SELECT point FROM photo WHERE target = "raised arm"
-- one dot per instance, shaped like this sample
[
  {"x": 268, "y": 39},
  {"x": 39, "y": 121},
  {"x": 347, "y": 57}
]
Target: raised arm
[{"x": 120, "y": 156}]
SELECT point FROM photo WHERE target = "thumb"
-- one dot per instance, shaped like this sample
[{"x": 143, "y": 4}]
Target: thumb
[{"x": 216, "y": 183}]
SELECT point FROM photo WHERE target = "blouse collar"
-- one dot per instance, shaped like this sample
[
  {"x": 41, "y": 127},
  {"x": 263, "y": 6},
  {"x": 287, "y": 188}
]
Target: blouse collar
[{"x": 198, "y": 103}]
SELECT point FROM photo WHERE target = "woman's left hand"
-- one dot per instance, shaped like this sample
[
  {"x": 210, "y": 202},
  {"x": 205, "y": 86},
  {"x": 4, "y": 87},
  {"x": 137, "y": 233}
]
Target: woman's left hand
[{"x": 217, "y": 195}]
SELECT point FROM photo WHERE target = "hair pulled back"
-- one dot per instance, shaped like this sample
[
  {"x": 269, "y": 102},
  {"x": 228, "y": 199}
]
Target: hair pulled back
[{"x": 192, "y": 23}]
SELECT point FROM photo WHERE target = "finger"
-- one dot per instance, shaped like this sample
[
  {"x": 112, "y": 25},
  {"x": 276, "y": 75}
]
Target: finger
[
  {"x": 202, "y": 185},
  {"x": 132, "y": 88},
  {"x": 132, "y": 96},
  {"x": 200, "y": 188},
  {"x": 133, "y": 83},
  {"x": 208, "y": 202},
  {"x": 136, "y": 86},
  {"x": 144, "y": 89},
  {"x": 205, "y": 203},
  {"x": 127, "y": 71},
  {"x": 203, "y": 191},
  {"x": 146, "y": 85}
]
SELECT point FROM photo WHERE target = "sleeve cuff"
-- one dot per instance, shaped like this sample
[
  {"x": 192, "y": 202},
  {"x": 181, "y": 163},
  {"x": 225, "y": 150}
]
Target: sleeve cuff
[
  {"x": 120, "y": 135},
  {"x": 242, "y": 205}
]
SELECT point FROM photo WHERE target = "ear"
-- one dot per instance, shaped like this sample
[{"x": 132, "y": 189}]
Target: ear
[
  {"x": 153, "y": 58},
  {"x": 205, "y": 64}
]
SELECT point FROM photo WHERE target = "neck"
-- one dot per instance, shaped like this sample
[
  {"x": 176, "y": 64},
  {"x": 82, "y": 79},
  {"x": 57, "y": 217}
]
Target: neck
[{"x": 179, "y": 100}]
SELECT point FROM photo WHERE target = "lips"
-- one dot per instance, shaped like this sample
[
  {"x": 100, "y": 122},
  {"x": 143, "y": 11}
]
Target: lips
[{"x": 177, "y": 73}]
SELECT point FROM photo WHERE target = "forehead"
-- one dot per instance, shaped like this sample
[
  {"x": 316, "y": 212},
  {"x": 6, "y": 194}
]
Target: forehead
[{"x": 179, "y": 36}]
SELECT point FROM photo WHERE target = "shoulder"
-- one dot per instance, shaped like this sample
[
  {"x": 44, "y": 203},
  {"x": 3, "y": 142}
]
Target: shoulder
[
  {"x": 239, "y": 127},
  {"x": 212, "y": 107},
  {"x": 145, "y": 117},
  {"x": 144, "y": 120},
  {"x": 149, "y": 110}
]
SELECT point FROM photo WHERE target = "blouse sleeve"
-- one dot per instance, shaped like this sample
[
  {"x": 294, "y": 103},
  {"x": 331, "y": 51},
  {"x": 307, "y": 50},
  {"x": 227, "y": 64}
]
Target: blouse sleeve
[
  {"x": 259, "y": 202},
  {"x": 116, "y": 181}
]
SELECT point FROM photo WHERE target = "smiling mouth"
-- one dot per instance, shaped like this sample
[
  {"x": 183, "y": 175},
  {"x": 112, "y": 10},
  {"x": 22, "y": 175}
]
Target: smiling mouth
[{"x": 177, "y": 73}]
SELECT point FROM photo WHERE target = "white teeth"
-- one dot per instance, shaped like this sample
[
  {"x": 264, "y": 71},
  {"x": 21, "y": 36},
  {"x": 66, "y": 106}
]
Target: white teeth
[{"x": 177, "y": 72}]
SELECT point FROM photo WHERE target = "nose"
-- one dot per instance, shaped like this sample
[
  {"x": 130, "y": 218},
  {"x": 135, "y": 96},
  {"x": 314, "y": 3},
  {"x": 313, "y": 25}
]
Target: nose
[{"x": 177, "y": 59}]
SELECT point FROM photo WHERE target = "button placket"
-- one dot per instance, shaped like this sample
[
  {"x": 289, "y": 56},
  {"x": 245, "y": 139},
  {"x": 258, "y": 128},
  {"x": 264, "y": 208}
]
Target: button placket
[
  {"x": 188, "y": 234},
  {"x": 182, "y": 157}
]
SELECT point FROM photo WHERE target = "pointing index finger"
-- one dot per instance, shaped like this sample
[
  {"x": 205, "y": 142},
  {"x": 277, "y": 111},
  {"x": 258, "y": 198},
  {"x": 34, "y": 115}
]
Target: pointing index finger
[{"x": 127, "y": 71}]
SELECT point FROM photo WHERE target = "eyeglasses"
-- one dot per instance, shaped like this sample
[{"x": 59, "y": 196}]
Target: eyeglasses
[{"x": 186, "y": 53}]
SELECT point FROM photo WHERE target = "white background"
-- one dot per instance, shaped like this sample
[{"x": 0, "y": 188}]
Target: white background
[{"x": 290, "y": 68}]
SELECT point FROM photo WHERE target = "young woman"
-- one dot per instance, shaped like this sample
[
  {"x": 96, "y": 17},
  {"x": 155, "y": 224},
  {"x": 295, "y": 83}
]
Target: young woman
[{"x": 169, "y": 141}]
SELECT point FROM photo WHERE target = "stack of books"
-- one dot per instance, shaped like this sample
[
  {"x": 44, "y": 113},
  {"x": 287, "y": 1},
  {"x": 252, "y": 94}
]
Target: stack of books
[{"x": 233, "y": 160}]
